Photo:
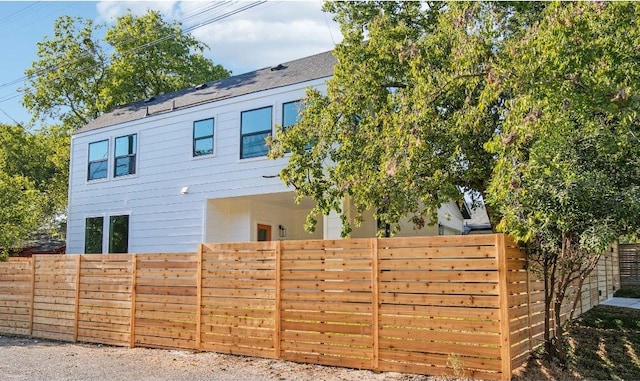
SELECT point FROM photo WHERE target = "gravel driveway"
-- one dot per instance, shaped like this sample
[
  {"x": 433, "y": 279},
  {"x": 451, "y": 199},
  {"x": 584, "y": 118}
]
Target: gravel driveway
[{"x": 27, "y": 359}]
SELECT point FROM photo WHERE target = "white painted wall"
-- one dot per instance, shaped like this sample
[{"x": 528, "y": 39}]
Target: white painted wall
[
  {"x": 236, "y": 220},
  {"x": 161, "y": 218},
  {"x": 449, "y": 216},
  {"x": 332, "y": 226}
]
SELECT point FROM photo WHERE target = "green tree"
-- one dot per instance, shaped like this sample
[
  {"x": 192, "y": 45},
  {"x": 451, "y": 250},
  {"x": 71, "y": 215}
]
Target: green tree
[
  {"x": 531, "y": 105},
  {"x": 75, "y": 79},
  {"x": 33, "y": 181},
  {"x": 66, "y": 80},
  {"x": 154, "y": 57},
  {"x": 567, "y": 178},
  {"x": 20, "y": 208},
  {"x": 401, "y": 127}
]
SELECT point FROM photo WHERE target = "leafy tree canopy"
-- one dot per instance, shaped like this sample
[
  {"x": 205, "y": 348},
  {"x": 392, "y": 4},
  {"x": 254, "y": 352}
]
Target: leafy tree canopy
[
  {"x": 567, "y": 155},
  {"x": 567, "y": 175},
  {"x": 78, "y": 76},
  {"x": 534, "y": 106},
  {"x": 33, "y": 181},
  {"x": 402, "y": 126},
  {"x": 430, "y": 98}
]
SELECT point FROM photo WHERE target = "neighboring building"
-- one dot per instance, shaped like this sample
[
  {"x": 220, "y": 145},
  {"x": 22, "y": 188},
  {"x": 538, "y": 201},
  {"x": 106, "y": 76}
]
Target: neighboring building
[
  {"x": 40, "y": 242},
  {"x": 179, "y": 169},
  {"x": 477, "y": 220}
]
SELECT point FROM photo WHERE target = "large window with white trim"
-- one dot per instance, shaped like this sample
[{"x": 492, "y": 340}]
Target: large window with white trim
[{"x": 255, "y": 126}]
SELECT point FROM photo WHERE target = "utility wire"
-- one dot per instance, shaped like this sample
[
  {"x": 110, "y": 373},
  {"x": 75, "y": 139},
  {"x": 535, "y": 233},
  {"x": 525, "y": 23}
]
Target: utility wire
[
  {"x": 12, "y": 16},
  {"x": 87, "y": 54},
  {"x": 9, "y": 116},
  {"x": 25, "y": 22},
  {"x": 144, "y": 46}
]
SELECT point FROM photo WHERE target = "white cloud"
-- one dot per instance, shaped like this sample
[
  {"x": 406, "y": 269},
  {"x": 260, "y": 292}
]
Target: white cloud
[
  {"x": 109, "y": 10},
  {"x": 265, "y": 35}
]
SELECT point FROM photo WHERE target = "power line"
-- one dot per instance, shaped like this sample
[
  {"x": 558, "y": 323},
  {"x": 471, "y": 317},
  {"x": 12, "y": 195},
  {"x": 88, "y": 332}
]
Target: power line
[
  {"x": 29, "y": 19},
  {"x": 87, "y": 54},
  {"x": 11, "y": 16},
  {"x": 199, "y": 12},
  {"x": 329, "y": 27},
  {"x": 9, "y": 116},
  {"x": 9, "y": 97}
]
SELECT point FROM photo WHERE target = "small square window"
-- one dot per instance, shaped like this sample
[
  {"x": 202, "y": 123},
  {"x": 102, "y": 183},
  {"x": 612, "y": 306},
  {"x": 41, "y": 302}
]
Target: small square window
[
  {"x": 255, "y": 126},
  {"x": 203, "y": 137},
  {"x": 125, "y": 155},
  {"x": 98, "y": 160}
]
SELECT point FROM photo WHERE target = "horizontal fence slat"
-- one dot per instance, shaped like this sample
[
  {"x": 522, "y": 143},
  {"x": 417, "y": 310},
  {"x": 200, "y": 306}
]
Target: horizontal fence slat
[{"x": 436, "y": 296}]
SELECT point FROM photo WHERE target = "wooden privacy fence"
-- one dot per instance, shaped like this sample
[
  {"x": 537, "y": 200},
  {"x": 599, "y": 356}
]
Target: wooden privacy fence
[
  {"x": 630, "y": 265},
  {"x": 430, "y": 305}
]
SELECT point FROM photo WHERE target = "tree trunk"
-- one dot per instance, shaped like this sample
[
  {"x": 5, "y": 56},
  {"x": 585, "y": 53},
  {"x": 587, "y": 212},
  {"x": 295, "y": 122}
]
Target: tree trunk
[
  {"x": 559, "y": 347},
  {"x": 549, "y": 280}
]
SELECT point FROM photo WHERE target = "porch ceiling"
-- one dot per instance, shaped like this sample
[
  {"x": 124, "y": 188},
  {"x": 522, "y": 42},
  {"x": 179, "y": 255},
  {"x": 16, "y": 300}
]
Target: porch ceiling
[{"x": 283, "y": 200}]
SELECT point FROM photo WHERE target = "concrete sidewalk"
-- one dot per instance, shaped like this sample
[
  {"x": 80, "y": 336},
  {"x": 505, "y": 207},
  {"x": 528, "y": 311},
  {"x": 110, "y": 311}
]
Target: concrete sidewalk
[{"x": 623, "y": 302}]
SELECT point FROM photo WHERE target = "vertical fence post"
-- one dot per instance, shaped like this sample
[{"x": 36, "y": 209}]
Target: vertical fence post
[
  {"x": 375, "y": 302},
  {"x": 77, "y": 301},
  {"x": 278, "y": 302},
  {"x": 529, "y": 328},
  {"x": 503, "y": 292},
  {"x": 199, "y": 297},
  {"x": 33, "y": 293},
  {"x": 132, "y": 317}
]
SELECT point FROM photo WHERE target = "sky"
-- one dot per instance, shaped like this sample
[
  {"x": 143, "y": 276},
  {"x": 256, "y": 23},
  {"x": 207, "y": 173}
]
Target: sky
[{"x": 262, "y": 36}]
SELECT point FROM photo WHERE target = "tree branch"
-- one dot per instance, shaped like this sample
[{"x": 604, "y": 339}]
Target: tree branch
[{"x": 461, "y": 76}]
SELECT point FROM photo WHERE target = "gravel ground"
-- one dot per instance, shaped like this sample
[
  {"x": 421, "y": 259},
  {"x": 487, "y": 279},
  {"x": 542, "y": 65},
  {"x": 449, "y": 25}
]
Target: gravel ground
[{"x": 27, "y": 359}]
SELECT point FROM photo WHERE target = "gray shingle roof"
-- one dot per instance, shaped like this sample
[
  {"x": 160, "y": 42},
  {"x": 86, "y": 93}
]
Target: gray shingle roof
[{"x": 289, "y": 73}]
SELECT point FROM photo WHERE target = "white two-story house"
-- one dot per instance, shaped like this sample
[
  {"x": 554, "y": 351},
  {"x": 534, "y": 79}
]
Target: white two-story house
[{"x": 191, "y": 166}]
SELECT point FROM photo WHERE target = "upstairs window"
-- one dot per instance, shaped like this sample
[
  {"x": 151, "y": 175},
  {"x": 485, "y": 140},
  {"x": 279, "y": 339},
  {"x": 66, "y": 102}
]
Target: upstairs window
[
  {"x": 203, "y": 137},
  {"x": 291, "y": 113},
  {"x": 255, "y": 126},
  {"x": 125, "y": 155},
  {"x": 98, "y": 160}
]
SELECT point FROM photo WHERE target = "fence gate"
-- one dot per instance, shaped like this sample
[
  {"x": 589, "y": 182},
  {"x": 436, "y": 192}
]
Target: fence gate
[{"x": 630, "y": 265}]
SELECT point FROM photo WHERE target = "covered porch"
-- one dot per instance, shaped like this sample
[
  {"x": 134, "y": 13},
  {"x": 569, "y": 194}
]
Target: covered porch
[
  {"x": 275, "y": 216},
  {"x": 264, "y": 217}
]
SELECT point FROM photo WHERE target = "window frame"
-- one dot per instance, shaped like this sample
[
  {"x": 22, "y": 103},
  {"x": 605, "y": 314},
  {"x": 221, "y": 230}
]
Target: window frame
[
  {"x": 131, "y": 147},
  {"x": 297, "y": 103},
  {"x": 101, "y": 231},
  {"x": 255, "y": 133},
  {"x": 196, "y": 139},
  {"x": 111, "y": 243},
  {"x": 90, "y": 162},
  {"x": 299, "y": 106}
]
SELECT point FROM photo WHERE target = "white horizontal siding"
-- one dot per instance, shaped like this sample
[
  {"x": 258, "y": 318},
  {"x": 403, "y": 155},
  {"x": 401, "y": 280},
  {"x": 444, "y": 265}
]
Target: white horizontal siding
[{"x": 161, "y": 218}]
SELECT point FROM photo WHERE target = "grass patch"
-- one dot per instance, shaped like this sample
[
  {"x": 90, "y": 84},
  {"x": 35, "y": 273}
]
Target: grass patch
[
  {"x": 603, "y": 344},
  {"x": 628, "y": 292}
]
